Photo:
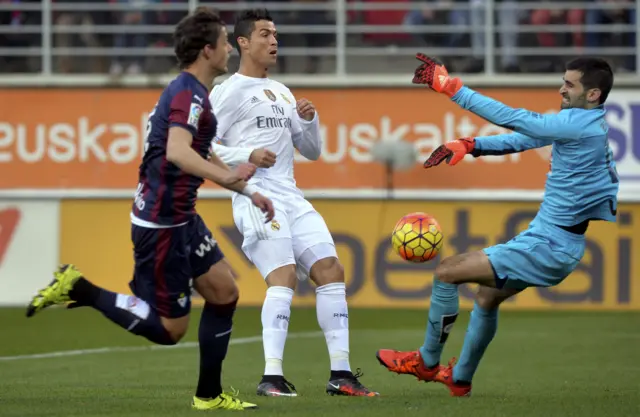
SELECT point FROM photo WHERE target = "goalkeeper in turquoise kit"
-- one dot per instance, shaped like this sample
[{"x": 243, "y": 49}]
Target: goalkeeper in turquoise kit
[{"x": 581, "y": 187}]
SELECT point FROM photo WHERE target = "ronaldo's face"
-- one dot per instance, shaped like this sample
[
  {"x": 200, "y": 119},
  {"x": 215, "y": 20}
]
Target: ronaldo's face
[{"x": 263, "y": 44}]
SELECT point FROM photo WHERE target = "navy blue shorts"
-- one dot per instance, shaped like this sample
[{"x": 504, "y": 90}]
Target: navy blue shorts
[{"x": 166, "y": 262}]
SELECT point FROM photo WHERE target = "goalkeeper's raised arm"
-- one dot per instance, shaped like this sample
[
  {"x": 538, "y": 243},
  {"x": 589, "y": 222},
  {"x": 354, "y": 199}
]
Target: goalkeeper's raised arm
[
  {"x": 453, "y": 152},
  {"x": 579, "y": 95}
]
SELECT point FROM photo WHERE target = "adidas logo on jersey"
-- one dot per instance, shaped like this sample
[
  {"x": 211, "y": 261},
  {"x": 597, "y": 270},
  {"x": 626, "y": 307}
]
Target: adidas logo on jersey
[{"x": 254, "y": 100}]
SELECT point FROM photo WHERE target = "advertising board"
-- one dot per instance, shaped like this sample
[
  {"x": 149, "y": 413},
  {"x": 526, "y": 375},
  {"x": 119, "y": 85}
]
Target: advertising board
[
  {"x": 92, "y": 139},
  {"x": 607, "y": 278}
]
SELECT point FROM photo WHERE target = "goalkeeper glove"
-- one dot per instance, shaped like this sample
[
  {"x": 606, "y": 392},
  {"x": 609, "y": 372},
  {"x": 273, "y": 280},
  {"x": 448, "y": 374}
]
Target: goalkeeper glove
[
  {"x": 452, "y": 152},
  {"x": 436, "y": 76}
]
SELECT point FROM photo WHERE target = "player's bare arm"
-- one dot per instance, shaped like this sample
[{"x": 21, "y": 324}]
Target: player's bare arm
[
  {"x": 258, "y": 200},
  {"x": 240, "y": 168},
  {"x": 180, "y": 153}
]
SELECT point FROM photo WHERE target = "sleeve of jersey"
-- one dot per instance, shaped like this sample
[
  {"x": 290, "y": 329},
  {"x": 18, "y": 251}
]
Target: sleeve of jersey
[
  {"x": 548, "y": 126},
  {"x": 226, "y": 114},
  {"x": 507, "y": 144},
  {"x": 185, "y": 111},
  {"x": 231, "y": 155},
  {"x": 225, "y": 109},
  {"x": 306, "y": 136}
]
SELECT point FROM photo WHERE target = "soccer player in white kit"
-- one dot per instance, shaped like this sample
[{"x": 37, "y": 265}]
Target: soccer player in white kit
[{"x": 260, "y": 120}]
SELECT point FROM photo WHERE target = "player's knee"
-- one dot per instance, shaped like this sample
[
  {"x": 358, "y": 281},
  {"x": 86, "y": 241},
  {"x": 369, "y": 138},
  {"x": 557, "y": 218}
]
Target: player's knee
[
  {"x": 229, "y": 294},
  {"x": 487, "y": 301},
  {"x": 490, "y": 298},
  {"x": 327, "y": 271},
  {"x": 284, "y": 276},
  {"x": 218, "y": 285},
  {"x": 176, "y": 328},
  {"x": 176, "y": 335},
  {"x": 445, "y": 271}
]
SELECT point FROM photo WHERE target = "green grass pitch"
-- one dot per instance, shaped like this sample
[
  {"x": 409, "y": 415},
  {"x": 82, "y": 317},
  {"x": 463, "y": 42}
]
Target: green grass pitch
[{"x": 540, "y": 364}]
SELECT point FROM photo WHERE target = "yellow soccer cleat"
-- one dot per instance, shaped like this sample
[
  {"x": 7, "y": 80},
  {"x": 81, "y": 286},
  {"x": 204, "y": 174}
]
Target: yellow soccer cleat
[
  {"x": 57, "y": 292},
  {"x": 224, "y": 401}
]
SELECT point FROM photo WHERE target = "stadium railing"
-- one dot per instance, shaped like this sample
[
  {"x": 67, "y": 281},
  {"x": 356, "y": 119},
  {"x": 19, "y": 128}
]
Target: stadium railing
[{"x": 359, "y": 43}]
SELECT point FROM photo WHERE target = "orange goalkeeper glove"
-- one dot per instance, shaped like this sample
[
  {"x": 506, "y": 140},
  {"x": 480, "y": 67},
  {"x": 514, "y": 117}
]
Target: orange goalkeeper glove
[
  {"x": 452, "y": 152},
  {"x": 436, "y": 76}
]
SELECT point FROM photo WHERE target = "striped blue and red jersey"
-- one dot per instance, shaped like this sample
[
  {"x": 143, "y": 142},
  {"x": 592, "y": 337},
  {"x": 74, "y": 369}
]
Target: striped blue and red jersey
[{"x": 166, "y": 195}]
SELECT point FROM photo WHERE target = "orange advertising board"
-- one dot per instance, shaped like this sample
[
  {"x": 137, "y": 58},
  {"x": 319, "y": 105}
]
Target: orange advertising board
[{"x": 93, "y": 138}]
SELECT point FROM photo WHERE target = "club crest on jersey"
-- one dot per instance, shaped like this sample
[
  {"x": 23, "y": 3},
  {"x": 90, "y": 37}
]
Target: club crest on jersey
[
  {"x": 285, "y": 98},
  {"x": 275, "y": 226},
  {"x": 270, "y": 95},
  {"x": 194, "y": 114},
  {"x": 183, "y": 300}
]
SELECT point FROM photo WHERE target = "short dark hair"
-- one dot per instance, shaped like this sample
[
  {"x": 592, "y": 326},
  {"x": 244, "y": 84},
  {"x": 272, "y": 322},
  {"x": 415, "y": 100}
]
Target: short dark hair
[
  {"x": 596, "y": 73},
  {"x": 246, "y": 23},
  {"x": 194, "y": 32}
]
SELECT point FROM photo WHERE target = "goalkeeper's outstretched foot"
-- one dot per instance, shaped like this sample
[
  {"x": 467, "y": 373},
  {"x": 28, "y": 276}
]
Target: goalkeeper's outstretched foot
[
  {"x": 409, "y": 363},
  {"x": 57, "y": 292},
  {"x": 457, "y": 389}
]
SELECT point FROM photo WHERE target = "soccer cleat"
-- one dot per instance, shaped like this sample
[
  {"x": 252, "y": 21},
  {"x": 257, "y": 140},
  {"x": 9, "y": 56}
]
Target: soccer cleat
[
  {"x": 57, "y": 292},
  {"x": 276, "y": 386},
  {"x": 348, "y": 384},
  {"x": 409, "y": 363},
  {"x": 224, "y": 401},
  {"x": 445, "y": 376}
]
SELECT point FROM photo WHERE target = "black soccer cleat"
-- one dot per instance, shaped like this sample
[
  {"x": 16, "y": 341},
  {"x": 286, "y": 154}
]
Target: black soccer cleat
[
  {"x": 276, "y": 386},
  {"x": 346, "y": 383}
]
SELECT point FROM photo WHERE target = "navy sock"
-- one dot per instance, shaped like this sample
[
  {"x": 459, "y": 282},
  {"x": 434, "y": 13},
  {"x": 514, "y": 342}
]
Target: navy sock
[
  {"x": 442, "y": 314},
  {"x": 214, "y": 334},
  {"x": 127, "y": 311}
]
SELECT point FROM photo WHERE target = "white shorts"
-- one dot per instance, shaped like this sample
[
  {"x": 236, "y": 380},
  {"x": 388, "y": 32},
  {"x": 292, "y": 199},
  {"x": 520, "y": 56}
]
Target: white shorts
[{"x": 298, "y": 235}]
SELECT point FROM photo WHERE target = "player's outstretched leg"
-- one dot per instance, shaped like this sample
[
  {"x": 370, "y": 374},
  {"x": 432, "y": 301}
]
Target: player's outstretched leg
[
  {"x": 425, "y": 362},
  {"x": 128, "y": 312},
  {"x": 219, "y": 290},
  {"x": 480, "y": 332},
  {"x": 333, "y": 318}
]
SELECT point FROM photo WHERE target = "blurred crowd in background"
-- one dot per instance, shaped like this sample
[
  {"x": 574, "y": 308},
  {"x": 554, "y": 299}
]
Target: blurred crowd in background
[{"x": 551, "y": 34}]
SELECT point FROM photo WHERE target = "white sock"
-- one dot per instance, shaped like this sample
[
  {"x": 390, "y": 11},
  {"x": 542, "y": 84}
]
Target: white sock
[
  {"x": 333, "y": 317},
  {"x": 276, "y": 311}
]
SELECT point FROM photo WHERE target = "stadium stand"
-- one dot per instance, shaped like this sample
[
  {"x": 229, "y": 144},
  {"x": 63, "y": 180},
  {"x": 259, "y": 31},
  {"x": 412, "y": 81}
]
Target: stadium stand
[{"x": 345, "y": 36}]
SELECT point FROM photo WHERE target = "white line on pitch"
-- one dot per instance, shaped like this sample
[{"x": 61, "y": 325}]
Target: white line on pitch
[{"x": 185, "y": 345}]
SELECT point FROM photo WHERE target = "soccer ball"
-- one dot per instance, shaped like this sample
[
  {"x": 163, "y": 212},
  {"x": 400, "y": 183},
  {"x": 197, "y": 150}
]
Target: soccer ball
[{"x": 417, "y": 237}]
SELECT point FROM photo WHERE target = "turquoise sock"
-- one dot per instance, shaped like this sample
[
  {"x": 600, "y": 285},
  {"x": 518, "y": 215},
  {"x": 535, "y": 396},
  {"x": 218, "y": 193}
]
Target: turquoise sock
[
  {"x": 482, "y": 328},
  {"x": 442, "y": 314}
]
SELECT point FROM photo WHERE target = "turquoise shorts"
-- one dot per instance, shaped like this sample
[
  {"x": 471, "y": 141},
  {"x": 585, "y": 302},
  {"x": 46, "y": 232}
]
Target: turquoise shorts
[{"x": 541, "y": 256}]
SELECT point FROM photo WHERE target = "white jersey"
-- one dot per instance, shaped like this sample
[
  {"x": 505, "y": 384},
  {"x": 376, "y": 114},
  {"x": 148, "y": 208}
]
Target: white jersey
[{"x": 256, "y": 113}]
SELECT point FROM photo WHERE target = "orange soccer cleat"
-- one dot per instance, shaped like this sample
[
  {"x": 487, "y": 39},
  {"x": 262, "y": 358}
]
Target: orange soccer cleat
[
  {"x": 410, "y": 363},
  {"x": 445, "y": 376}
]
